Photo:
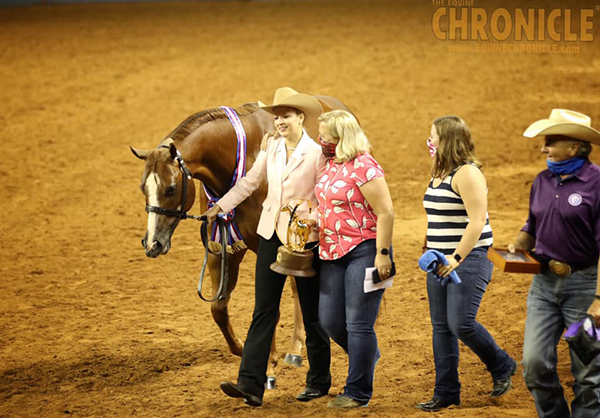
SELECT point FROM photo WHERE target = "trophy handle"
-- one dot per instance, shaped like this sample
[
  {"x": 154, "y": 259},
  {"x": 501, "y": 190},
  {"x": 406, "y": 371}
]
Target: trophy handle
[{"x": 289, "y": 227}]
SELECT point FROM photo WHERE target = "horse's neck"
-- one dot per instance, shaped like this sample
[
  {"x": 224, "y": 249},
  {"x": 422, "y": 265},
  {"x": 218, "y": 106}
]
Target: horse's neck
[{"x": 210, "y": 151}]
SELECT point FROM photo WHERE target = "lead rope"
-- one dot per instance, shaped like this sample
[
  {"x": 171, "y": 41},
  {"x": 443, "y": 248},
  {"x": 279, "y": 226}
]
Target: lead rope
[{"x": 224, "y": 279}]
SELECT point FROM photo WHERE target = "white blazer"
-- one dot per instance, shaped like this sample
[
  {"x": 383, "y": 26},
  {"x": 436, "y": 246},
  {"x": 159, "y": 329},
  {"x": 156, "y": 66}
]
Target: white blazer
[{"x": 296, "y": 179}]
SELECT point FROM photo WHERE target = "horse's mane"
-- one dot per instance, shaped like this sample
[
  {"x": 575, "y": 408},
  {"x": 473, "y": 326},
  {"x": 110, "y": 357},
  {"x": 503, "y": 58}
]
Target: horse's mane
[{"x": 196, "y": 120}]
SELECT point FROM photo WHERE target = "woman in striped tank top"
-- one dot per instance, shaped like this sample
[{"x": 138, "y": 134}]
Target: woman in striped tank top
[{"x": 458, "y": 226}]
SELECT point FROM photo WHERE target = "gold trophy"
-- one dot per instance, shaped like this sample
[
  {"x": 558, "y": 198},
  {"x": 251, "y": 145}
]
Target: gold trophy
[{"x": 293, "y": 259}]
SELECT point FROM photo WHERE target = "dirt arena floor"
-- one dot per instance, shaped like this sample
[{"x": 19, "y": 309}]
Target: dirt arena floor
[{"x": 90, "y": 327}]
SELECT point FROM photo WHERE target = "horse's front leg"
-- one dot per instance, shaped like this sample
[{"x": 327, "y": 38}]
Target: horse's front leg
[
  {"x": 294, "y": 354},
  {"x": 219, "y": 308}
]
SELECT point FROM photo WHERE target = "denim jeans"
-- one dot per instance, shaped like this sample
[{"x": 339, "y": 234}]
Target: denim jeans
[
  {"x": 553, "y": 304},
  {"x": 348, "y": 315},
  {"x": 453, "y": 310}
]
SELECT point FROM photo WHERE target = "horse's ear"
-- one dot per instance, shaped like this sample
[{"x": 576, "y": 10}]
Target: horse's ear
[
  {"x": 141, "y": 154},
  {"x": 172, "y": 150}
]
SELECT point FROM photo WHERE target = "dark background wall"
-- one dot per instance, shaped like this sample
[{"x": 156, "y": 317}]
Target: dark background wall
[{"x": 48, "y": 2}]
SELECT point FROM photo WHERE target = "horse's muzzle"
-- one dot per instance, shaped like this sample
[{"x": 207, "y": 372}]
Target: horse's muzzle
[{"x": 155, "y": 249}]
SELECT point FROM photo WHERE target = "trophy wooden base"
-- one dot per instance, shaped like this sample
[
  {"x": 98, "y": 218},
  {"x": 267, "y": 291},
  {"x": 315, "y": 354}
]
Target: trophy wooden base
[
  {"x": 293, "y": 263},
  {"x": 517, "y": 262}
]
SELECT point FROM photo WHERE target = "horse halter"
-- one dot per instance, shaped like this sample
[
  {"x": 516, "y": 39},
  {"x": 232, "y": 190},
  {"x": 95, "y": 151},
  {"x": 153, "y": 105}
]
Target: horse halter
[
  {"x": 186, "y": 175},
  {"x": 182, "y": 214}
]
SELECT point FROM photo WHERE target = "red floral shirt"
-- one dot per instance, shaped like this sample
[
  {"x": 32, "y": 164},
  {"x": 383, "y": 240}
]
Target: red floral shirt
[{"x": 345, "y": 217}]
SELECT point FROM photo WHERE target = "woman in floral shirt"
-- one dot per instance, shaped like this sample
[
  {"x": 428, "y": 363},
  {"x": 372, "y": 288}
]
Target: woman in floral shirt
[{"x": 356, "y": 220}]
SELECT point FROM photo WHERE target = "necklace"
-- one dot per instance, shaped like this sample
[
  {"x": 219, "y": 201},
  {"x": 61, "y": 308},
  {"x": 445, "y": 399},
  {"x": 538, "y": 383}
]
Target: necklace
[{"x": 290, "y": 148}]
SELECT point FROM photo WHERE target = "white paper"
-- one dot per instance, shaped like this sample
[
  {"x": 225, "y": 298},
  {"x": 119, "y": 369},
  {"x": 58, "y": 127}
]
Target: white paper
[{"x": 370, "y": 286}]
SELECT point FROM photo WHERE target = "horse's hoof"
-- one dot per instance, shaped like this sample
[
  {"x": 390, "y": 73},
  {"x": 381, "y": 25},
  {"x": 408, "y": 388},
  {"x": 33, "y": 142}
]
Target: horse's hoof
[
  {"x": 293, "y": 360},
  {"x": 271, "y": 383}
]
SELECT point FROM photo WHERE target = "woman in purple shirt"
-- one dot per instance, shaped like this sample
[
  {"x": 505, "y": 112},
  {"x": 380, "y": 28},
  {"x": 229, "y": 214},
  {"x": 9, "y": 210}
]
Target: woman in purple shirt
[{"x": 564, "y": 228}]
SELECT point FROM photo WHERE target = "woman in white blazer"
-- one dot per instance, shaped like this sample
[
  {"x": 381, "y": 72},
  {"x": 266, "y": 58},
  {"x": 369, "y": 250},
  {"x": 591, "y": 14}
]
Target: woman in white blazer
[{"x": 291, "y": 163}]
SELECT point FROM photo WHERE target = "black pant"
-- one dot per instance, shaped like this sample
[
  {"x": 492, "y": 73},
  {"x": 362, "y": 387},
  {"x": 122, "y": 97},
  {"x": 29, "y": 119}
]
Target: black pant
[{"x": 267, "y": 295}]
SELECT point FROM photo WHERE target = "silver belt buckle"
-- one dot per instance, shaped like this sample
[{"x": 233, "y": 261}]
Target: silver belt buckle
[{"x": 559, "y": 268}]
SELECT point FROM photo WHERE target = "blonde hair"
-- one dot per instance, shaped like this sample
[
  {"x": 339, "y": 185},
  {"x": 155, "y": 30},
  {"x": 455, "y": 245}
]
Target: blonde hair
[
  {"x": 455, "y": 147},
  {"x": 343, "y": 125}
]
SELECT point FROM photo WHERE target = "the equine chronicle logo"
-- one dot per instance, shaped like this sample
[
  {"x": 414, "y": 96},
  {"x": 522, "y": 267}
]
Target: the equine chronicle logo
[
  {"x": 460, "y": 20},
  {"x": 575, "y": 199}
]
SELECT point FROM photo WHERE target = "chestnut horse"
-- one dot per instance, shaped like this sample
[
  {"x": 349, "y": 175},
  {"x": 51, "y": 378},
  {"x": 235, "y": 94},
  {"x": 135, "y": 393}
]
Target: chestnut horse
[{"x": 206, "y": 142}]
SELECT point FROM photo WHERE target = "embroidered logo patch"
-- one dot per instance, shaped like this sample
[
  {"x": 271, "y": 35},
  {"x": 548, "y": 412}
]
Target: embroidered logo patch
[{"x": 575, "y": 199}]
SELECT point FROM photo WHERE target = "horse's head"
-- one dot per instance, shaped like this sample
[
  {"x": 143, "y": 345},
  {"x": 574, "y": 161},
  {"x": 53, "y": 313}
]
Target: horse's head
[{"x": 163, "y": 184}]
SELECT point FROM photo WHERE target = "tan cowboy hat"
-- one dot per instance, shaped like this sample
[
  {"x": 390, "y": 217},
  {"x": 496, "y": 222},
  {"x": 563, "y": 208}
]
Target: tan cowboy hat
[
  {"x": 565, "y": 122},
  {"x": 286, "y": 96}
]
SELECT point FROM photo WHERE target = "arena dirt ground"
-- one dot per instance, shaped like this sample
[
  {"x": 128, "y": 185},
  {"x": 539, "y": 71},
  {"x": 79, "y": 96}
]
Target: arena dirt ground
[{"x": 90, "y": 327}]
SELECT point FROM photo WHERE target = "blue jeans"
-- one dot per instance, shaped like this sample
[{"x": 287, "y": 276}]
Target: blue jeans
[
  {"x": 453, "y": 310},
  {"x": 348, "y": 315},
  {"x": 553, "y": 304}
]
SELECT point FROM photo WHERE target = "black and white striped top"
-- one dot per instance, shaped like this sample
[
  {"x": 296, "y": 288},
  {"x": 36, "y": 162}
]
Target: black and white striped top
[{"x": 447, "y": 218}]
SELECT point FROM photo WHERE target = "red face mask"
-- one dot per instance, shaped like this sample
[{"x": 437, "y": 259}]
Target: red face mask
[{"x": 328, "y": 148}]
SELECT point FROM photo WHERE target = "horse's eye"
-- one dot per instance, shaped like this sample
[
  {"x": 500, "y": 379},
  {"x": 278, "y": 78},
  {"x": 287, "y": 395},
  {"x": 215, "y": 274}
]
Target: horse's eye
[{"x": 170, "y": 192}]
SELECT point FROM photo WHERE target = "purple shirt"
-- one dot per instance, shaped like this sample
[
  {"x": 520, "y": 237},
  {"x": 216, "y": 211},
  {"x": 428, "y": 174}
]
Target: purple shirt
[{"x": 564, "y": 215}]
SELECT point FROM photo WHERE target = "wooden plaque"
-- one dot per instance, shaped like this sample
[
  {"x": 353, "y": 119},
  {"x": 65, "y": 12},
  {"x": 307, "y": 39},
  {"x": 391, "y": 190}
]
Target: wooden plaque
[{"x": 517, "y": 262}]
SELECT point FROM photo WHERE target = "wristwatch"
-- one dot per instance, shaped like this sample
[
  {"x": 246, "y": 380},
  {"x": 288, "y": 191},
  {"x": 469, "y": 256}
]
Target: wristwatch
[
  {"x": 383, "y": 251},
  {"x": 457, "y": 257}
]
